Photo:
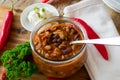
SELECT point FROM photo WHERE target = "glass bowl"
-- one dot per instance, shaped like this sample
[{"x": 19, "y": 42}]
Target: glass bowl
[{"x": 62, "y": 65}]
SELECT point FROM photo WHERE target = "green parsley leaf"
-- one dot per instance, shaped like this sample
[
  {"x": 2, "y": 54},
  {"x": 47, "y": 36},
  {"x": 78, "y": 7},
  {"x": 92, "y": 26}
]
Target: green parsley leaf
[
  {"x": 39, "y": 15},
  {"x": 36, "y": 8},
  {"x": 43, "y": 10},
  {"x": 17, "y": 63}
]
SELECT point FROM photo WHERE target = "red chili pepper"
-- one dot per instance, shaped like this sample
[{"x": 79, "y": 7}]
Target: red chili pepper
[
  {"x": 3, "y": 74},
  {"x": 44, "y": 1},
  {"x": 5, "y": 30},
  {"x": 92, "y": 35}
]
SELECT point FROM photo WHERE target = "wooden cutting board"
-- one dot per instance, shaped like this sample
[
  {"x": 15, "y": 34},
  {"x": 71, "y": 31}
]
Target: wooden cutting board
[{"x": 19, "y": 35}]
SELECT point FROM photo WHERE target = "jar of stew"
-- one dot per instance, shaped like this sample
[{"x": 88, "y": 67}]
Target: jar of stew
[{"x": 52, "y": 51}]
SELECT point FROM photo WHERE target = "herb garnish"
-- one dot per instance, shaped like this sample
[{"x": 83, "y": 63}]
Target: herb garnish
[
  {"x": 18, "y": 62},
  {"x": 43, "y": 10}
]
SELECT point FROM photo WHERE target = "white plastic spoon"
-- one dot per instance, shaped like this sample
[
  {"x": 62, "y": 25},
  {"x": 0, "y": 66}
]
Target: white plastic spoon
[{"x": 106, "y": 41}]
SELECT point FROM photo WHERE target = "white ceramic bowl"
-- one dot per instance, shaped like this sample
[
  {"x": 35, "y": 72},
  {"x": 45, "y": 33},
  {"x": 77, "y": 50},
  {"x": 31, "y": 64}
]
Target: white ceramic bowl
[
  {"x": 113, "y": 4},
  {"x": 24, "y": 16}
]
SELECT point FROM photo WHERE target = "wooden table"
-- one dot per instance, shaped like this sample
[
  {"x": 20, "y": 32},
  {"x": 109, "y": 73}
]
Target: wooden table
[{"x": 21, "y": 4}]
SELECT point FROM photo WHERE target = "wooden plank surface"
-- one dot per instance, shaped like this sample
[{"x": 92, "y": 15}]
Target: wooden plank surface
[{"x": 19, "y": 35}]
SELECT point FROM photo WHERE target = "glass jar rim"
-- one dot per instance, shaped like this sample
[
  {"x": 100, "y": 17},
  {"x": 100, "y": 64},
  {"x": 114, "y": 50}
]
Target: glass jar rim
[{"x": 57, "y": 18}]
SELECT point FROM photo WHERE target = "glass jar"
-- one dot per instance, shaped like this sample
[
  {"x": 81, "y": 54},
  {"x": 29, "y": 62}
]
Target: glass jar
[{"x": 58, "y": 68}]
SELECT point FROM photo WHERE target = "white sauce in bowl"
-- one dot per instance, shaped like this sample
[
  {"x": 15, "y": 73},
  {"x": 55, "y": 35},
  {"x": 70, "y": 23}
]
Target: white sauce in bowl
[
  {"x": 35, "y": 16},
  {"x": 30, "y": 17}
]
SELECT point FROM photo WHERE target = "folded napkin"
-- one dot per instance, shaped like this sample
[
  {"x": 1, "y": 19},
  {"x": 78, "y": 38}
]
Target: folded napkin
[{"x": 95, "y": 15}]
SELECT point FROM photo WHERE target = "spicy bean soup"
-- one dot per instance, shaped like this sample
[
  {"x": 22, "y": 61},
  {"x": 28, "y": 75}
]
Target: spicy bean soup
[{"x": 52, "y": 51}]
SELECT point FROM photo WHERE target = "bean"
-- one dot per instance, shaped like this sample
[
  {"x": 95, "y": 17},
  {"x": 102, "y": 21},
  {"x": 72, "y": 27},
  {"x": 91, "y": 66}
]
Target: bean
[
  {"x": 66, "y": 39},
  {"x": 38, "y": 51},
  {"x": 46, "y": 55},
  {"x": 48, "y": 47},
  {"x": 55, "y": 36},
  {"x": 59, "y": 40},
  {"x": 67, "y": 50},
  {"x": 73, "y": 31},
  {"x": 73, "y": 47},
  {"x": 49, "y": 40},
  {"x": 54, "y": 40},
  {"x": 51, "y": 34},
  {"x": 47, "y": 33},
  {"x": 53, "y": 55},
  {"x": 62, "y": 47},
  {"x": 62, "y": 35},
  {"x": 56, "y": 44},
  {"x": 62, "y": 56},
  {"x": 57, "y": 51}
]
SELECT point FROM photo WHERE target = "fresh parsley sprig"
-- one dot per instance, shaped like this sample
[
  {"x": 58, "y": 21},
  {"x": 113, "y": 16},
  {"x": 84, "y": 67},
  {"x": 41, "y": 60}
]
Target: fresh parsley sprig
[{"x": 18, "y": 62}]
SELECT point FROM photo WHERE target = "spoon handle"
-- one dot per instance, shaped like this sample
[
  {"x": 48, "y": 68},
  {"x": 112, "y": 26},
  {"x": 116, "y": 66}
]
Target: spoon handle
[{"x": 106, "y": 41}]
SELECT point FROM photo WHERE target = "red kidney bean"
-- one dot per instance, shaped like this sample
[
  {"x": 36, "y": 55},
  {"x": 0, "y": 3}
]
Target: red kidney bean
[{"x": 67, "y": 50}]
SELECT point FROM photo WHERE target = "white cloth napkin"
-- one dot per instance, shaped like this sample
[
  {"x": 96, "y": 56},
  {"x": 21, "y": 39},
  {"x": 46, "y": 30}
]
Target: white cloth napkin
[{"x": 95, "y": 14}]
